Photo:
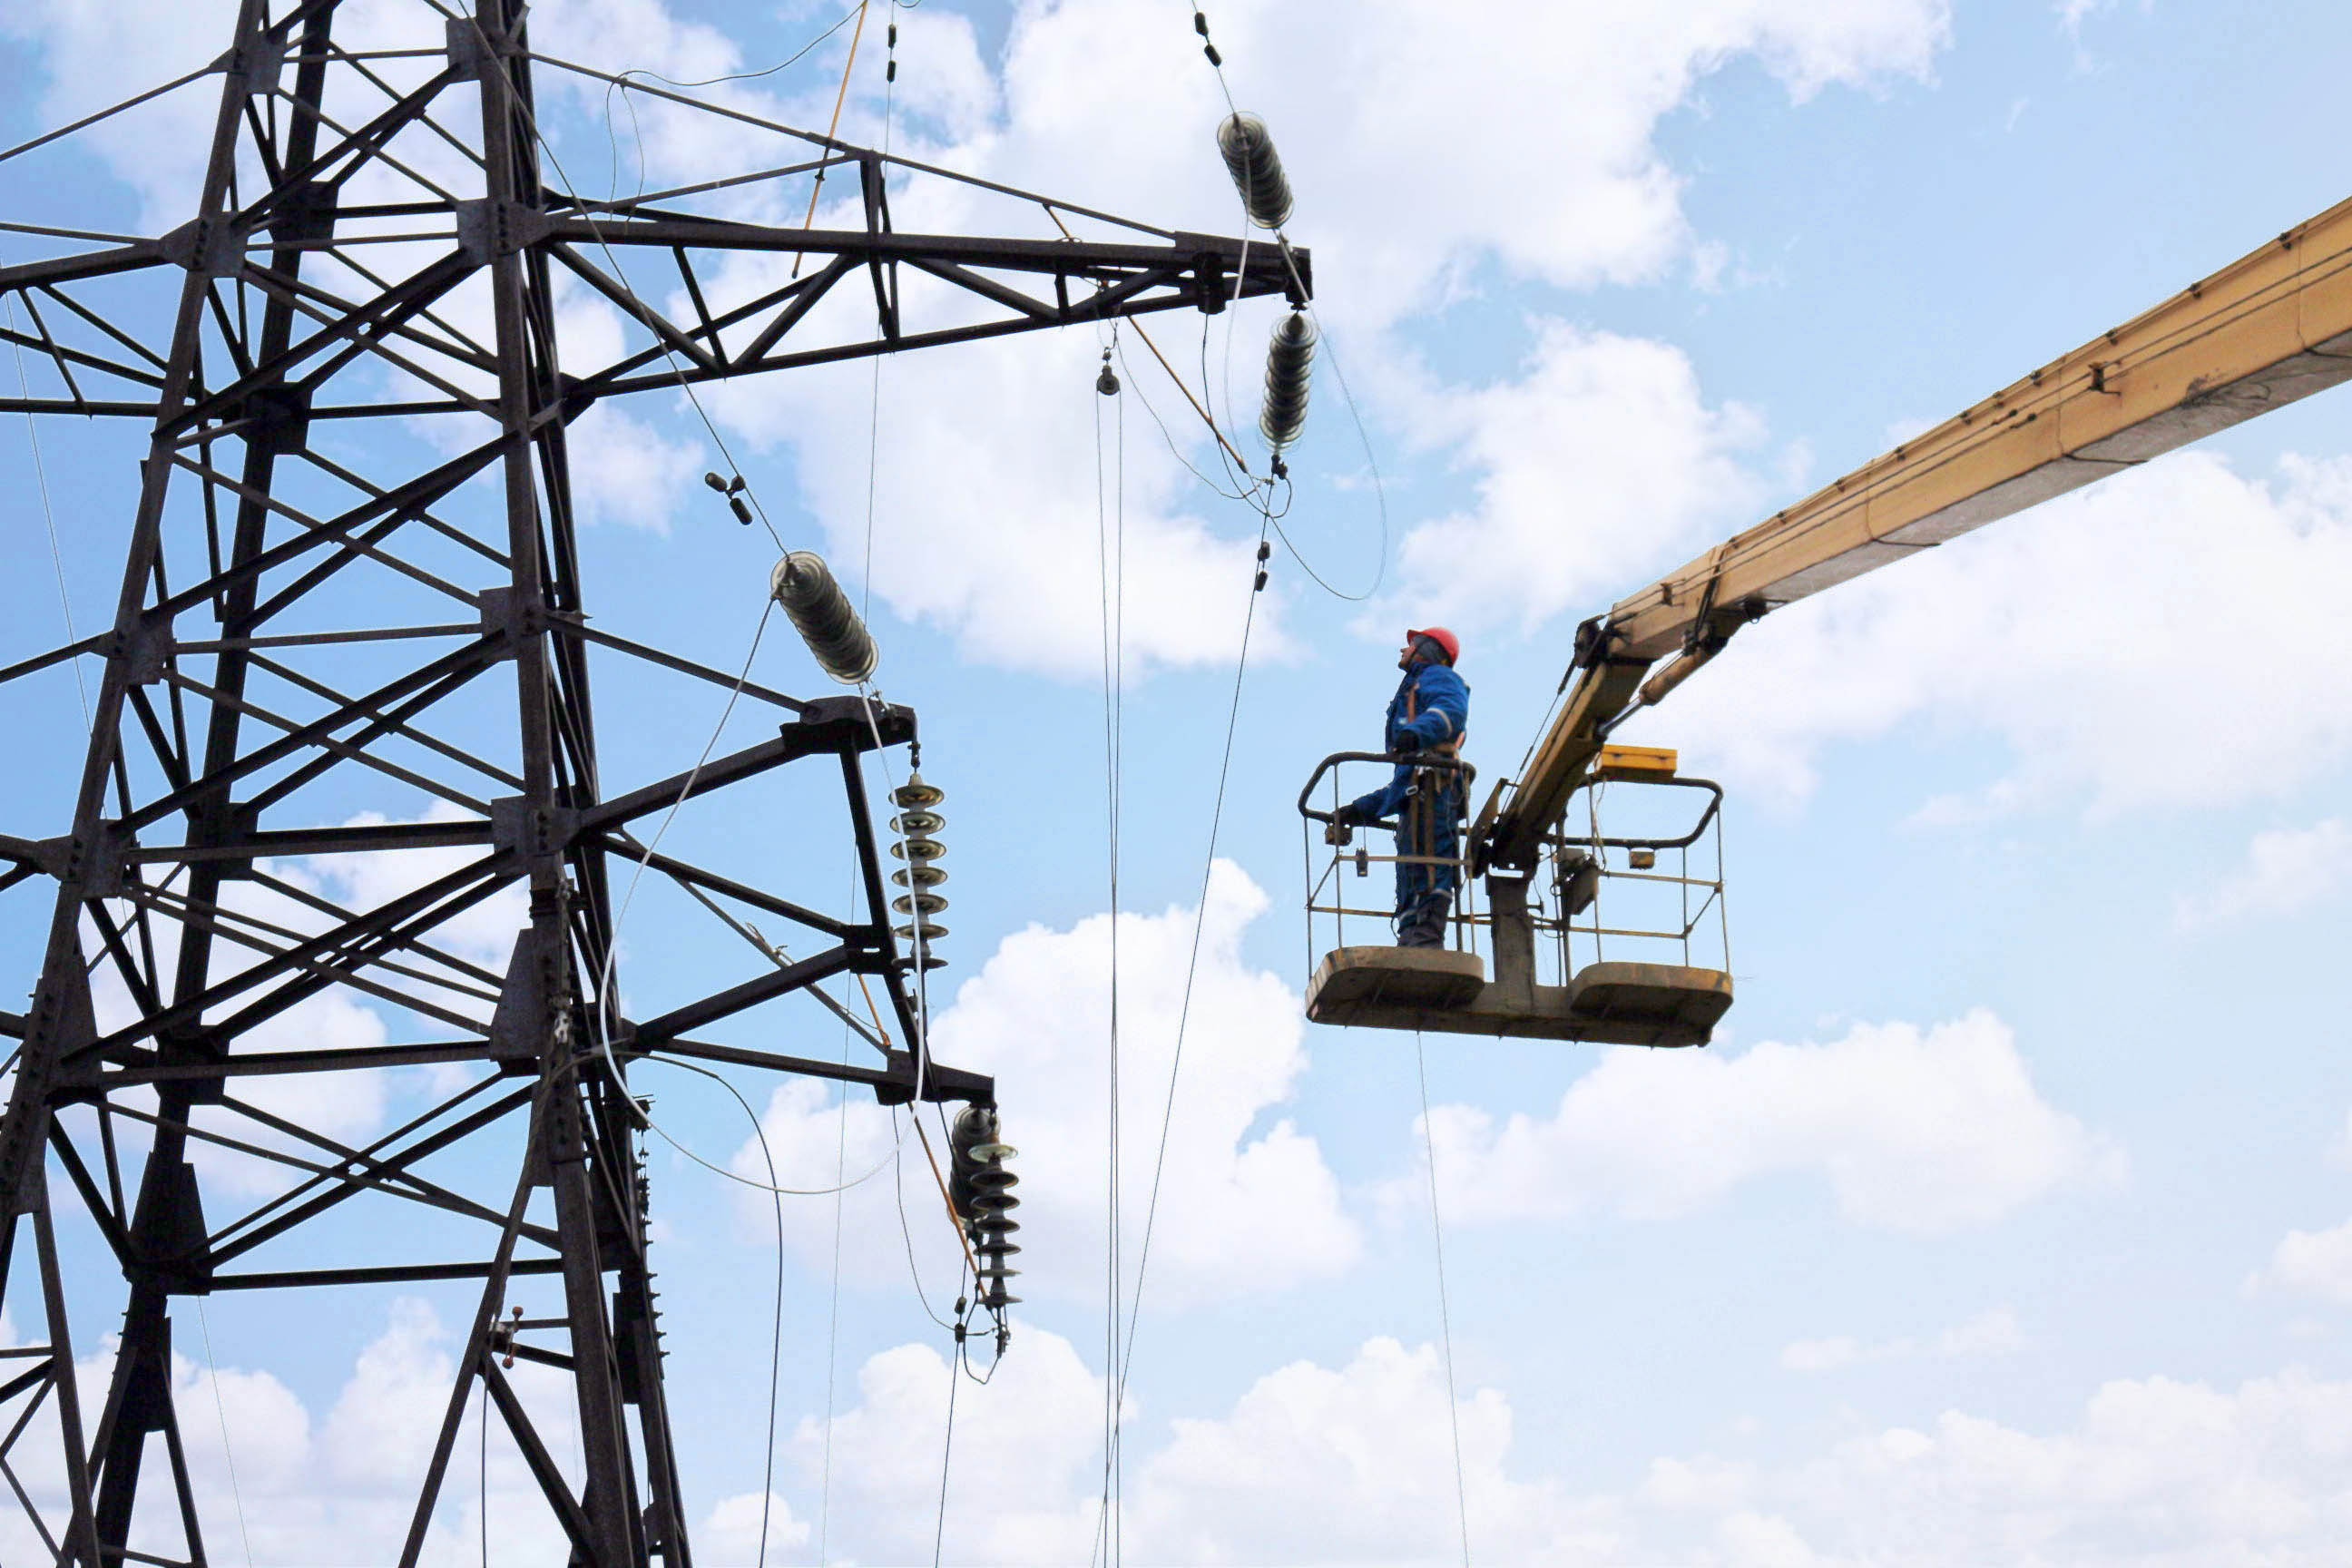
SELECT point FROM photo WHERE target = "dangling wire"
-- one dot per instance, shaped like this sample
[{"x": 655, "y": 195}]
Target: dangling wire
[
  {"x": 220, "y": 1409},
  {"x": 49, "y": 514},
  {"x": 1183, "y": 1019},
  {"x": 1444, "y": 1313},
  {"x": 530, "y": 121},
  {"x": 816, "y": 190},
  {"x": 1110, "y": 559}
]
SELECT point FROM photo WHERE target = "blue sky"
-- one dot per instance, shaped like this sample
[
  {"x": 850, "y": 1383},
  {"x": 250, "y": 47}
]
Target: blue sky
[{"x": 2010, "y": 1217}]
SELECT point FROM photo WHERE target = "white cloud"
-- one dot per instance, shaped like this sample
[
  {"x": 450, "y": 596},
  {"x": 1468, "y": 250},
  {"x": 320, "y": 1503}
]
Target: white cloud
[
  {"x": 2081, "y": 635},
  {"x": 2287, "y": 871},
  {"x": 1354, "y": 1464},
  {"x": 2157, "y": 1474},
  {"x": 1026, "y": 1465},
  {"x": 982, "y": 501},
  {"x": 1989, "y": 1333},
  {"x": 307, "y": 1491},
  {"x": 1601, "y": 461},
  {"x": 1917, "y": 1130},
  {"x": 1319, "y": 1464},
  {"x": 1248, "y": 1208},
  {"x": 729, "y": 1538},
  {"x": 2313, "y": 1263}
]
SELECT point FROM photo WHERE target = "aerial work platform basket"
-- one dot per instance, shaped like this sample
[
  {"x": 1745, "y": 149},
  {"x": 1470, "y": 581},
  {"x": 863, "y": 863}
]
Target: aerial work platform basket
[{"x": 1597, "y": 941}]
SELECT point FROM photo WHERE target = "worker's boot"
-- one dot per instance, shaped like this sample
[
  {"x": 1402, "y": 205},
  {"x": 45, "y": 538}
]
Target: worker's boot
[{"x": 1424, "y": 924}]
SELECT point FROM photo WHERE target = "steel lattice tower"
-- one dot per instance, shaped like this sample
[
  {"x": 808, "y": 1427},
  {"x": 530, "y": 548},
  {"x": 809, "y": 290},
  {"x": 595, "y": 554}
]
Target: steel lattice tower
[{"x": 294, "y": 622}]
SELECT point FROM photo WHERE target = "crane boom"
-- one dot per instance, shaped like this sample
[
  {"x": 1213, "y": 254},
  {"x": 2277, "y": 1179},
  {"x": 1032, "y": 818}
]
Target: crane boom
[{"x": 2270, "y": 327}]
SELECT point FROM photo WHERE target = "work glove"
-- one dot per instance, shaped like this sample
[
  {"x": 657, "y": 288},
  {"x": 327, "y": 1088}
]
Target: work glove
[{"x": 1349, "y": 815}]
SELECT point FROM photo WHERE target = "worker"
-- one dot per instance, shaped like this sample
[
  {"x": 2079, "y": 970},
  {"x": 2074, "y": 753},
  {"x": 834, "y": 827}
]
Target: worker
[{"x": 1427, "y": 719}]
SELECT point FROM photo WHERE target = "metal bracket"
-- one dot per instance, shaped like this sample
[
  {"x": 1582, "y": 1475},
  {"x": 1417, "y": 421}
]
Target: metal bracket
[
  {"x": 208, "y": 246},
  {"x": 487, "y": 229},
  {"x": 519, "y": 828}
]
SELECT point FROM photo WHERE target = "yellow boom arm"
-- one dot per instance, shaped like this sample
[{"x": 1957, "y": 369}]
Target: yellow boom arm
[{"x": 2269, "y": 328}]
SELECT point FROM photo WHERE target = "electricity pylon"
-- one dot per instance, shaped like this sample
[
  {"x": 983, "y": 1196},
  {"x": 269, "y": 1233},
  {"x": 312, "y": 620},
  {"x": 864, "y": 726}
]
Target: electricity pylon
[{"x": 377, "y": 251}]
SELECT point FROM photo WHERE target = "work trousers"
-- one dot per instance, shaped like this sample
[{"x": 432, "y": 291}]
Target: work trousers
[{"x": 1429, "y": 825}]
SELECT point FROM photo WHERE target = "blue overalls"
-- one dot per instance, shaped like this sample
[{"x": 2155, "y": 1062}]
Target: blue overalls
[{"x": 1429, "y": 712}]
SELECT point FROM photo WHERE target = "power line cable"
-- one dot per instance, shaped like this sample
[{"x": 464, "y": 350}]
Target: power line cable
[
  {"x": 677, "y": 370},
  {"x": 1185, "y": 1010},
  {"x": 49, "y": 514},
  {"x": 1445, "y": 1313},
  {"x": 220, "y": 1409},
  {"x": 776, "y": 1336}
]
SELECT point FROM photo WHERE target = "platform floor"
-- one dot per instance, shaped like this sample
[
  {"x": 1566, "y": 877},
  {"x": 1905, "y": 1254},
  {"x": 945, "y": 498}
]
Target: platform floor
[{"x": 1442, "y": 990}]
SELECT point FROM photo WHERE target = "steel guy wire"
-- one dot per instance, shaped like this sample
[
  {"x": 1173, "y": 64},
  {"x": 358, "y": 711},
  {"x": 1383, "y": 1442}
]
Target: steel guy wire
[
  {"x": 221, "y": 1409},
  {"x": 48, "y": 515},
  {"x": 677, "y": 370},
  {"x": 1444, "y": 1313},
  {"x": 947, "y": 1450},
  {"x": 1185, "y": 1010},
  {"x": 1111, "y": 573},
  {"x": 607, "y": 1010},
  {"x": 776, "y": 1339}
]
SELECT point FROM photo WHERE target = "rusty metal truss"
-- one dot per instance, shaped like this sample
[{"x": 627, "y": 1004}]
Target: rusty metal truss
[{"x": 354, "y": 562}]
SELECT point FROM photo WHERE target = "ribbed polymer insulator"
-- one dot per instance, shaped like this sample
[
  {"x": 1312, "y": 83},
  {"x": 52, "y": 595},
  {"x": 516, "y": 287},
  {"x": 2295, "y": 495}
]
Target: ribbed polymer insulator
[
  {"x": 918, "y": 903},
  {"x": 922, "y": 822},
  {"x": 920, "y": 876},
  {"x": 918, "y": 849},
  {"x": 1289, "y": 359},
  {"x": 1256, "y": 168},
  {"x": 823, "y": 616}
]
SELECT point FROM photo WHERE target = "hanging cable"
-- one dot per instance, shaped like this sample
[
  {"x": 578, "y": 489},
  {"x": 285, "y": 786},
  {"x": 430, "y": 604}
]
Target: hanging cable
[
  {"x": 946, "y": 1444},
  {"x": 776, "y": 1331},
  {"x": 1445, "y": 1313},
  {"x": 220, "y": 1409},
  {"x": 1111, "y": 573},
  {"x": 1183, "y": 1017},
  {"x": 670, "y": 355},
  {"x": 816, "y": 190},
  {"x": 49, "y": 514}
]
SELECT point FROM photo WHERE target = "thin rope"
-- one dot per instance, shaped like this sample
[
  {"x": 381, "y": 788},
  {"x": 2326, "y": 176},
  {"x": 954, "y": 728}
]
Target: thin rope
[
  {"x": 482, "y": 1481},
  {"x": 817, "y": 189},
  {"x": 1110, "y": 570},
  {"x": 776, "y": 1338},
  {"x": 612, "y": 260},
  {"x": 48, "y": 515},
  {"x": 1444, "y": 1313},
  {"x": 1184, "y": 1011},
  {"x": 947, "y": 1449},
  {"x": 220, "y": 1409}
]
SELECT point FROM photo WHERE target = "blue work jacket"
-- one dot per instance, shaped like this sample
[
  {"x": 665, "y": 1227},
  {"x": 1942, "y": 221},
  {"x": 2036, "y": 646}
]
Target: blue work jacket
[{"x": 1430, "y": 710}]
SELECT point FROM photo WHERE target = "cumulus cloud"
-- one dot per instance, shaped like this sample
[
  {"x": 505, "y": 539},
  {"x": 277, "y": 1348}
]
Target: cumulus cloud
[
  {"x": 2312, "y": 1263},
  {"x": 1913, "y": 1129},
  {"x": 341, "y": 1490},
  {"x": 2156, "y": 1473},
  {"x": 1989, "y": 1333},
  {"x": 983, "y": 500},
  {"x": 2287, "y": 871},
  {"x": 2081, "y": 635},
  {"x": 1312, "y": 1464},
  {"x": 1250, "y": 1207},
  {"x": 1600, "y": 461},
  {"x": 1353, "y": 1463}
]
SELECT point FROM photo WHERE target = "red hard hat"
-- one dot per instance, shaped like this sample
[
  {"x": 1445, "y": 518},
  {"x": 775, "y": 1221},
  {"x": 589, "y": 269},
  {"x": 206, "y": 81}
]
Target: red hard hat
[{"x": 1442, "y": 637}]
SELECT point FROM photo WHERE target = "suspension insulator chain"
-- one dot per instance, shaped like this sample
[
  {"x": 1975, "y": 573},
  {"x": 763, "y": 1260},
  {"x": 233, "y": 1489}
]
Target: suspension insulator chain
[
  {"x": 1256, "y": 169},
  {"x": 824, "y": 617},
  {"x": 980, "y": 1187},
  {"x": 917, "y": 823},
  {"x": 1289, "y": 361}
]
